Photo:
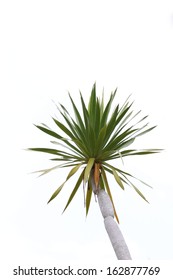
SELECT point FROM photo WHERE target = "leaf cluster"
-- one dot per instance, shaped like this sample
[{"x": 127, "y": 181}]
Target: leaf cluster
[{"x": 95, "y": 135}]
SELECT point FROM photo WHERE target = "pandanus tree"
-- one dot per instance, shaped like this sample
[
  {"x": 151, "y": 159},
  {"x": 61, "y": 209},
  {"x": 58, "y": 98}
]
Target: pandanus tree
[{"x": 90, "y": 141}]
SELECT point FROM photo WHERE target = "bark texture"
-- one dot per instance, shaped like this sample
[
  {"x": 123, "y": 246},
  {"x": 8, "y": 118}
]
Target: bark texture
[{"x": 114, "y": 233}]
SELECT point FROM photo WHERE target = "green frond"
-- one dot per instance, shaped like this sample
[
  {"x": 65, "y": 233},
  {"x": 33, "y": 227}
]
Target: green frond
[
  {"x": 91, "y": 135},
  {"x": 106, "y": 110},
  {"x": 64, "y": 129},
  {"x": 77, "y": 115},
  {"x": 92, "y": 106}
]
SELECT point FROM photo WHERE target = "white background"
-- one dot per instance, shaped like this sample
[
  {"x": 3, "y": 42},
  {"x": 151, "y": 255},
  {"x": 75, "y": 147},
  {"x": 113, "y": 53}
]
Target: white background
[{"x": 47, "y": 49}]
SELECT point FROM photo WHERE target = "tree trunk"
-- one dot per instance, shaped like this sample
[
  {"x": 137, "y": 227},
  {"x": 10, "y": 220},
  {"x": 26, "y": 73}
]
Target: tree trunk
[{"x": 114, "y": 233}]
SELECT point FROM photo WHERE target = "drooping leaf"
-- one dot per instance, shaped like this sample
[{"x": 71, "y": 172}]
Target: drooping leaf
[
  {"x": 45, "y": 171},
  {"x": 109, "y": 167},
  {"x": 117, "y": 178},
  {"x": 74, "y": 170},
  {"x": 88, "y": 196},
  {"x": 56, "y": 192},
  {"x": 71, "y": 173},
  {"x": 79, "y": 181},
  {"x": 139, "y": 192}
]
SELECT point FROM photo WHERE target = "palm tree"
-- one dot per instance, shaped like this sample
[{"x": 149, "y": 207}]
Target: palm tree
[{"x": 97, "y": 135}]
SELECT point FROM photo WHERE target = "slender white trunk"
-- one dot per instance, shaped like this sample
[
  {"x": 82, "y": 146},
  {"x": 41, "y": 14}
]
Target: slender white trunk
[{"x": 115, "y": 235}]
